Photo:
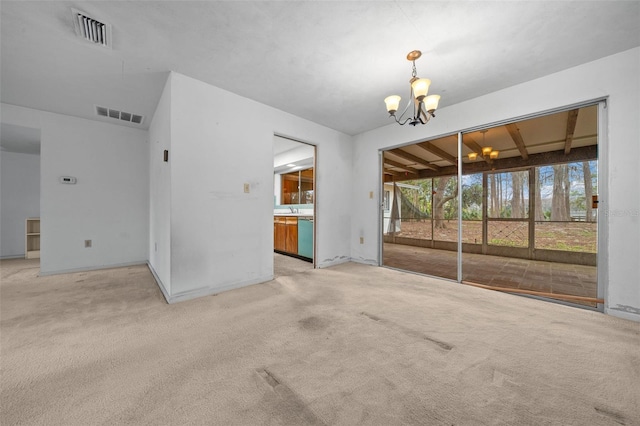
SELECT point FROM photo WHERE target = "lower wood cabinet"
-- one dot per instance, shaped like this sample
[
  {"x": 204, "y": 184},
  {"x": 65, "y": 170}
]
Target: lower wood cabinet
[
  {"x": 285, "y": 234},
  {"x": 279, "y": 233},
  {"x": 291, "y": 245}
]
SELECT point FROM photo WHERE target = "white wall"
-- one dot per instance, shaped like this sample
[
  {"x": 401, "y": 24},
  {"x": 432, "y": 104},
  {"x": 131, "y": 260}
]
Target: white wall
[
  {"x": 160, "y": 191},
  {"x": 221, "y": 237},
  {"x": 19, "y": 199},
  {"x": 616, "y": 77},
  {"x": 110, "y": 202}
]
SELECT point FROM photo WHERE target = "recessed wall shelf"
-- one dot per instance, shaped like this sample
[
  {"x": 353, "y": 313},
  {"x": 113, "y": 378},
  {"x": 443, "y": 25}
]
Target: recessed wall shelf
[{"x": 32, "y": 238}]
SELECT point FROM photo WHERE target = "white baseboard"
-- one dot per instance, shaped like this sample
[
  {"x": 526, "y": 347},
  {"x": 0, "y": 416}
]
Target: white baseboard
[
  {"x": 327, "y": 263},
  {"x": 208, "y": 291},
  {"x": 13, "y": 256},
  {"x": 92, "y": 268}
]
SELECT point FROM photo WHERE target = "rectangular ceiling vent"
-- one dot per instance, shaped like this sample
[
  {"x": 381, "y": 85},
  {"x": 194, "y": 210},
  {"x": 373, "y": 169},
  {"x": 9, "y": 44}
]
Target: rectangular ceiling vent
[
  {"x": 91, "y": 29},
  {"x": 119, "y": 115}
]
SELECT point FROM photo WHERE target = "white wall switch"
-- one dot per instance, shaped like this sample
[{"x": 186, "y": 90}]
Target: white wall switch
[
  {"x": 247, "y": 188},
  {"x": 371, "y": 194},
  {"x": 361, "y": 240}
]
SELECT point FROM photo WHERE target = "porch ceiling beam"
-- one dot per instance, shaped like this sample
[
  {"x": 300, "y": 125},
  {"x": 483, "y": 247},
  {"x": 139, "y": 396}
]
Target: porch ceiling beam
[
  {"x": 429, "y": 147},
  {"x": 572, "y": 119},
  {"x": 400, "y": 165},
  {"x": 546, "y": 158},
  {"x": 517, "y": 139},
  {"x": 404, "y": 154},
  {"x": 393, "y": 173}
]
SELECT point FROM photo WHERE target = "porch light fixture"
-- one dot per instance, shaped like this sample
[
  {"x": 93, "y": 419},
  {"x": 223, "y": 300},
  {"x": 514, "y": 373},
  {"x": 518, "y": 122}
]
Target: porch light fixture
[
  {"x": 487, "y": 151},
  {"x": 423, "y": 106}
]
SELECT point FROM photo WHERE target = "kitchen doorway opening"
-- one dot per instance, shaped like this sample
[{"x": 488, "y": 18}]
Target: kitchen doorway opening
[
  {"x": 294, "y": 205},
  {"x": 510, "y": 207}
]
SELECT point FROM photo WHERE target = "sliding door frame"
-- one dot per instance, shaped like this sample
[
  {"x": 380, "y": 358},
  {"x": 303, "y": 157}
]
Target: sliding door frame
[{"x": 603, "y": 190}]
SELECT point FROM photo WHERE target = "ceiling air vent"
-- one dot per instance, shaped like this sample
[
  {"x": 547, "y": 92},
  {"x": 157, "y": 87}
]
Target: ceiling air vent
[
  {"x": 91, "y": 29},
  {"x": 119, "y": 115}
]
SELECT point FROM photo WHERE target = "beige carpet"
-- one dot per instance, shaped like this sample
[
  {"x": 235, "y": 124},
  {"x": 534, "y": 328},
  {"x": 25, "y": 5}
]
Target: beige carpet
[{"x": 348, "y": 345}]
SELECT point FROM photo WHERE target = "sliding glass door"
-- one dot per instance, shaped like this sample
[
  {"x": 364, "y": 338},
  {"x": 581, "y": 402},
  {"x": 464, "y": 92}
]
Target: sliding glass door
[{"x": 526, "y": 220}]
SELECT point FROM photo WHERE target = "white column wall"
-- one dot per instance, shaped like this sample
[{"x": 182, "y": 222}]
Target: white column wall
[
  {"x": 160, "y": 192},
  {"x": 616, "y": 77},
  {"x": 19, "y": 199},
  {"x": 221, "y": 237},
  {"x": 110, "y": 202}
]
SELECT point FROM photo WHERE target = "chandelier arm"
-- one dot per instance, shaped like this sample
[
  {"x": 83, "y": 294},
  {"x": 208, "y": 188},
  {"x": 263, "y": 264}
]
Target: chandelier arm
[
  {"x": 404, "y": 112},
  {"x": 402, "y": 123},
  {"x": 422, "y": 112}
]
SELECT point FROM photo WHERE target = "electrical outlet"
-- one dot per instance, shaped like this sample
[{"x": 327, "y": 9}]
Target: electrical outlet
[
  {"x": 247, "y": 188},
  {"x": 87, "y": 243},
  {"x": 361, "y": 240}
]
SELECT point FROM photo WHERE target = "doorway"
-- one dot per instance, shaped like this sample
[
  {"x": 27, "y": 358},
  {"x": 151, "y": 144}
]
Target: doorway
[
  {"x": 294, "y": 206},
  {"x": 526, "y": 221},
  {"x": 20, "y": 193}
]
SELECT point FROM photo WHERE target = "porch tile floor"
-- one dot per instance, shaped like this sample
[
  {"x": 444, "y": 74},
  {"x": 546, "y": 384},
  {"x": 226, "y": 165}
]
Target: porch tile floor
[{"x": 576, "y": 280}]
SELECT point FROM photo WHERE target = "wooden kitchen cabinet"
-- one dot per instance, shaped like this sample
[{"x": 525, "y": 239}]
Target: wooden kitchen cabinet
[
  {"x": 285, "y": 234},
  {"x": 279, "y": 233},
  {"x": 291, "y": 245}
]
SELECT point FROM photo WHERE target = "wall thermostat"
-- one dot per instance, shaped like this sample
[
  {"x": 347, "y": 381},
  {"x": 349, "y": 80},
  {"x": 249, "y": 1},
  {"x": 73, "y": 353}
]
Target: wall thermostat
[{"x": 68, "y": 179}]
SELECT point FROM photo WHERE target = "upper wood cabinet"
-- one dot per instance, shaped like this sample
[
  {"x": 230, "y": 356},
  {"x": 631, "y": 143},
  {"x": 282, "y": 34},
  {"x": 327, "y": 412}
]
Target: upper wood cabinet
[{"x": 297, "y": 187}]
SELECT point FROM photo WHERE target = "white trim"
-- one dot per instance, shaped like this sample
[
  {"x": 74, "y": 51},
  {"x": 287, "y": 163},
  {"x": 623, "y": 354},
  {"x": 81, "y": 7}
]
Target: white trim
[
  {"x": 602, "y": 255},
  {"x": 93, "y": 268},
  {"x": 381, "y": 206},
  {"x": 614, "y": 312},
  {"x": 333, "y": 262},
  {"x": 13, "y": 256},
  {"x": 208, "y": 291},
  {"x": 459, "y": 185}
]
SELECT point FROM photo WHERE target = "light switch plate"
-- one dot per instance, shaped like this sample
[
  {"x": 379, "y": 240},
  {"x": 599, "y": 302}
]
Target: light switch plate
[{"x": 247, "y": 188}]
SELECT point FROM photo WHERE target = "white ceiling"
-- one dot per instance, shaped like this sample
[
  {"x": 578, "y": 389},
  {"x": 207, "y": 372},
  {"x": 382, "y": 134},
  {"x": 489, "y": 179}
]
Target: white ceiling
[{"x": 331, "y": 62}]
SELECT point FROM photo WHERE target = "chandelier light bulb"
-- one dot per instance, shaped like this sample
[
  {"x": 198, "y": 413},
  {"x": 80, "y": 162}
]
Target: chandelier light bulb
[
  {"x": 431, "y": 103},
  {"x": 473, "y": 156},
  {"x": 420, "y": 88},
  {"x": 392, "y": 103},
  {"x": 486, "y": 151},
  {"x": 494, "y": 154}
]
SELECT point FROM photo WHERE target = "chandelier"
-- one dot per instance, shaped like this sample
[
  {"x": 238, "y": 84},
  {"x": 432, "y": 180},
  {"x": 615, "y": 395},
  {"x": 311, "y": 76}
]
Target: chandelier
[
  {"x": 488, "y": 153},
  {"x": 423, "y": 106}
]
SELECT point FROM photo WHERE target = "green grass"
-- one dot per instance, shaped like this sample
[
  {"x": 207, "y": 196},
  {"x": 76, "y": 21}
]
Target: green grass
[
  {"x": 566, "y": 247},
  {"x": 507, "y": 243}
]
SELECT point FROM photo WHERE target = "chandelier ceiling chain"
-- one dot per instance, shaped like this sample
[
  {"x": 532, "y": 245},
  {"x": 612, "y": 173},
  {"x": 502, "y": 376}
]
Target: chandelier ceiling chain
[{"x": 424, "y": 106}]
